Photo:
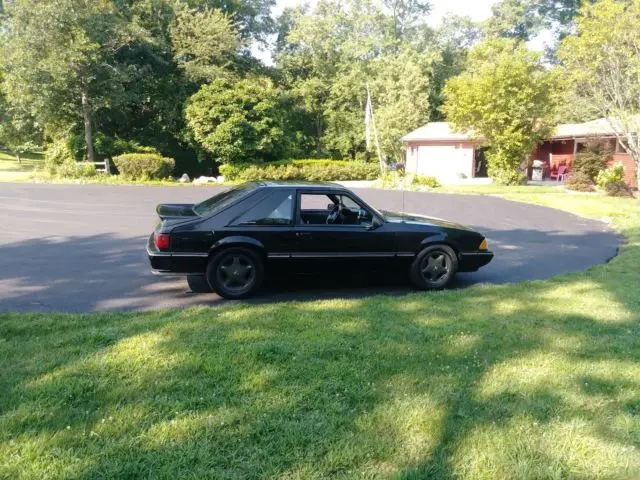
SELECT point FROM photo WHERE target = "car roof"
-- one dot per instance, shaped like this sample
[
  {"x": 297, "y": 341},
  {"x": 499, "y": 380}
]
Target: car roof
[{"x": 299, "y": 184}]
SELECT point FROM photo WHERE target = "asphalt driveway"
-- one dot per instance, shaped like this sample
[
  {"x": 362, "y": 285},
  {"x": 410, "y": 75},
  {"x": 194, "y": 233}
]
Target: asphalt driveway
[{"x": 81, "y": 247}]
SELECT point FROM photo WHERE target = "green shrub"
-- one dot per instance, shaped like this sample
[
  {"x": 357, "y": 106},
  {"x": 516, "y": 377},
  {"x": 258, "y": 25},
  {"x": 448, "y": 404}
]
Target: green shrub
[
  {"x": 144, "y": 166},
  {"x": 425, "y": 181},
  {"x": 592, "y": 160},
  {"x": 503, "y": 168},
  {"x": 309, "y": 170},
  {"x": 313, "y": 162},
  {"x": 613, "y": 174},
  {"x": 109, "y": 147},
  {"x": 69, "y": 168},
  {"x": 580, "y": 182},
  {"x": 231, "y": 170},
  {"x": 618, "y": 189},
  {"x": 57, "y": 153}
]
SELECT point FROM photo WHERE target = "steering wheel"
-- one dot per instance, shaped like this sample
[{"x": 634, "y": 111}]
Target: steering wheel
[{"x": 334, "y": 216}]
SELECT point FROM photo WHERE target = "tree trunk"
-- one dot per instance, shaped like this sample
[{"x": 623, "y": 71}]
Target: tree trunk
[
  {"x": 88, "y": 132},
  {"x": 18, "y": 157},
  {"x": 319, "y": 133}
]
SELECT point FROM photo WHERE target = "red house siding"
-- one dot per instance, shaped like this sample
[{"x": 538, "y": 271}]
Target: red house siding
[
  {"x": 556, "y": 152},
  {"x": 560, "y": 152}
]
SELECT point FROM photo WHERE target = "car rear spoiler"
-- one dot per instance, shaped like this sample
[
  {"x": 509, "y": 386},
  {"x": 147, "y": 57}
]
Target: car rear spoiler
[{"x": 172, "y": 210}]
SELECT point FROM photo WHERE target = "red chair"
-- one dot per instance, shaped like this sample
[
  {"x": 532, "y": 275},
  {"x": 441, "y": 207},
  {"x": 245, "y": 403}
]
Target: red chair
[{"x": 561, "y": 174}]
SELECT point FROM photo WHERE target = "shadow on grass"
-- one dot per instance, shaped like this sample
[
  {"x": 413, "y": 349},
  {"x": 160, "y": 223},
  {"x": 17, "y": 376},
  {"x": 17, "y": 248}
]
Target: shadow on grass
[{"x": 537, "y": 380}]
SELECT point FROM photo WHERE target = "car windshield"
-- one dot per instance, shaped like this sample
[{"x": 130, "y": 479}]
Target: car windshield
[{"x": 222, "y": 199}]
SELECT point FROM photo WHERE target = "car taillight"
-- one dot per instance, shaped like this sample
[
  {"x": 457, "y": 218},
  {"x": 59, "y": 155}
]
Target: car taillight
[
  {"x": 483, "y": 245},
  {"x": 162, "y": 240}
]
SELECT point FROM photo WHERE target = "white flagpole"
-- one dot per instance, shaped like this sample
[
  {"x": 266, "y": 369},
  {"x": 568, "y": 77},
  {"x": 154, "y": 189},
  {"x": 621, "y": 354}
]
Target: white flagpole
[
  {"x": 367, "y": 120},
  {"x": 375, "y": 130}
]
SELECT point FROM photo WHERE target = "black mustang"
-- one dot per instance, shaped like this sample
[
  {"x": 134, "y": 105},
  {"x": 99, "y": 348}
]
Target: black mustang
[{"x": 229, "y": 241}]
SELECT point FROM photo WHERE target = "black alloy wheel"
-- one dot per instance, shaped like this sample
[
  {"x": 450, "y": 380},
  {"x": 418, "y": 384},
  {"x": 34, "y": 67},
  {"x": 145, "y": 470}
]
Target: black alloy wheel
[
  {"x": 235, "y": 273},
  {"x": 434, "y": 267}
]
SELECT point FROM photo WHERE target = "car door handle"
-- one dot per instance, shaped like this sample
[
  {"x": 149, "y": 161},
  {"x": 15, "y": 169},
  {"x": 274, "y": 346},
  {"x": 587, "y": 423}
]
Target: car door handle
[{"x": 303, "y": 234}]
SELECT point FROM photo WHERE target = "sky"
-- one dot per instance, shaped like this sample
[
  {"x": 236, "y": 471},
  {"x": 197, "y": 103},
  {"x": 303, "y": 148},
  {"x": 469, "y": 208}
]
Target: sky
[{"x": 476, "y": 9}]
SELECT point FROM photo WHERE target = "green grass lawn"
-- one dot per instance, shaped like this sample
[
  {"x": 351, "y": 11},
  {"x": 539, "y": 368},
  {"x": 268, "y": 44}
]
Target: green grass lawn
[
  {"x": 528, "y": 381},
  {"x": 11, "y": 170}
]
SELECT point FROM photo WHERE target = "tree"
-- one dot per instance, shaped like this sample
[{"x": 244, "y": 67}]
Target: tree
[
  {"x": 237, "y": 122},
  {"x": 325, "y": 64},
  {"x": 401, "y": 90},
  {"x": 204, "y": 43},
  {"x": 59, "y": 59},
  {"x": 253, "y": 17},
  {"x": 406, "y": 16},
  {"x": 331, "y": 53},
  {"x": 602, "y": 62},
  {"x": 517, "y": 19},
  {"x": 452, "y": 40},
  {"x": 506, "y": 97},
  {"x": 525, "y": 19},
  {"x": 18, "y": 131}
]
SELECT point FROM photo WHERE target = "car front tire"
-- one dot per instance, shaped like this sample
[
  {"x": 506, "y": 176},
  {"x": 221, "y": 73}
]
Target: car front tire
[
  {"x": 235, "y": 272},
  {"x": 434, "y": 267}
]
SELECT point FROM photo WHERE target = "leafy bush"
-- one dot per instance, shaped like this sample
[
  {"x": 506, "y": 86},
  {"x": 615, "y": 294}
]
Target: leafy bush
[
  {"x": 580, "y": 182},
  {"x": 60, "y": 161},
  {"x": 592, "y": 160},
  {"x": 618, "y": 189},
  {"x": 430, "y": 182},
  {"x": 57, "y": 153},
  {"x": 613, "y": 174},
  {"x": 72, "y": 169},
  {"x": 230, "y": 170},
  {"x": 310, "y": 170},
  {"x": 236, "y": 122},
  {"x": 69, "y": 168},
  {"x": 110, "y": 147},
  {"x": 144, "y": 166}
]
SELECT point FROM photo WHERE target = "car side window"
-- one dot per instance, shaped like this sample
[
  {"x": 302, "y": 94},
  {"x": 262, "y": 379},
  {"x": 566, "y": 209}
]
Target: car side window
[
  {"x": 332, "y": 209},
  {"x": 313, "y": 201},
  {"x": 349, "y": 203},
  {"x": 275, "y": 209}
]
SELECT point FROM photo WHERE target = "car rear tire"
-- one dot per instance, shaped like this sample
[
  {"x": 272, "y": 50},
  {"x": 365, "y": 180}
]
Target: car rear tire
[
  {"x": 434, "y": 267},
  {"x": 235, "y": 272},
  {"x": 198, "y": 284}
]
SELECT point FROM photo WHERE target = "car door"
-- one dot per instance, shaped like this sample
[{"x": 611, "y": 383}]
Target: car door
[{"x": 342, "y": 245}]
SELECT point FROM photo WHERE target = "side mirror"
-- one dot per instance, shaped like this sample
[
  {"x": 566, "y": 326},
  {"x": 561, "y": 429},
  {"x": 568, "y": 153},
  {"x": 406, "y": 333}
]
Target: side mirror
[{"x": 375, "y": 223}]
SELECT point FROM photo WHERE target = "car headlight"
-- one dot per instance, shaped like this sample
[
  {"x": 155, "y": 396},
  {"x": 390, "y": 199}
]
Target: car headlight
[{"x": 483, "y": 245}]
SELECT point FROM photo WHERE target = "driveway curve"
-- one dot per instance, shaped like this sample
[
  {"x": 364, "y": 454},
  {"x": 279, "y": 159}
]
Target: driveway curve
[{"x": 81, "y": 247}]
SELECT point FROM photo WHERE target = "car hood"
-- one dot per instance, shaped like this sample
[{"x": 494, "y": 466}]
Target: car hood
[{"x": 412, "y": 218}]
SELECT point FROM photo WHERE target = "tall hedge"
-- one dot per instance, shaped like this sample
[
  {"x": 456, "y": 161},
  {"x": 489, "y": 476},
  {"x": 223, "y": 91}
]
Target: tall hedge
[
  {"x": 310, "y": 170},
  {"x": 144, "y": 166}
]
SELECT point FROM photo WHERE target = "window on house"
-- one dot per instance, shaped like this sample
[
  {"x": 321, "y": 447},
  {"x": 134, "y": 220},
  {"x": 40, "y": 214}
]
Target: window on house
[{"x": 620, "y": 148}]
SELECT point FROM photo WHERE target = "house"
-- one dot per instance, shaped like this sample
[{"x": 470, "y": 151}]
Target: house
[
  {"x": 571, "y": 138},
  {"x": 436, "y": 150}
]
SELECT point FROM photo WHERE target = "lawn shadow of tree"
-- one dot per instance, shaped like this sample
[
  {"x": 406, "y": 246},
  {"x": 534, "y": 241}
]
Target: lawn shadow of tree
[{"x": 532, "y": 380}]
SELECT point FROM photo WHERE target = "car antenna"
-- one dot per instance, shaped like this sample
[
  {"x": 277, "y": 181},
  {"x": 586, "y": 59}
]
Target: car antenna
[{"x": 403, "y": 190}]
